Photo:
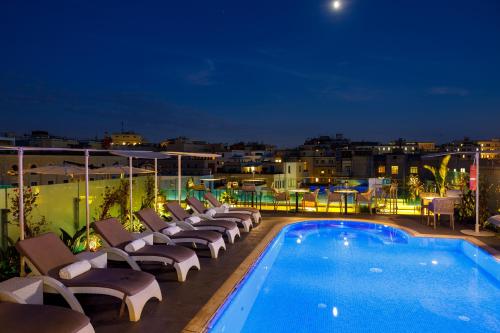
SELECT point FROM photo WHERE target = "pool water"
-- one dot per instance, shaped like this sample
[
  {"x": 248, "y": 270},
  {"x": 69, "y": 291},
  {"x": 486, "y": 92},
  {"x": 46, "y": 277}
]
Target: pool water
[{"x": 340, "y": 276}]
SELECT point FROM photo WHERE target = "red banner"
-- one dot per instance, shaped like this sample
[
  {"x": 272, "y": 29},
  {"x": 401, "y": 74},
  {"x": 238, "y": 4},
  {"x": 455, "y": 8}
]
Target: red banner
[{"x": 473, "y": 177}]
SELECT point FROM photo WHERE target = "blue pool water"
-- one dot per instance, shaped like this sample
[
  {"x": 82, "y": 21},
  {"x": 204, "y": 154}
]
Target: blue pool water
[{"x": 334, "y": 276}]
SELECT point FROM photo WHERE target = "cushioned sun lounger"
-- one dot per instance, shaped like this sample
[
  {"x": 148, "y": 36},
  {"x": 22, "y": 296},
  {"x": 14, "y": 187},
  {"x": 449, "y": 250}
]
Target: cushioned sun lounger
[
  {"x": 29, "y": 318},
  {"x": 242, "y": 220},
  {"x": 224, "y": 208},
  {"x": 47, "y": 255},
  {"x": 228, "y": 228},
  {"x": 172, "y": 233},
  {"x": 116, "y": 237}
]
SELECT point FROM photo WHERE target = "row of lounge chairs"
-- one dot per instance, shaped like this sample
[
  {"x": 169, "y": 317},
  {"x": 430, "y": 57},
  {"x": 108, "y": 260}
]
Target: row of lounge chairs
[{"x": 63, "y": 272}]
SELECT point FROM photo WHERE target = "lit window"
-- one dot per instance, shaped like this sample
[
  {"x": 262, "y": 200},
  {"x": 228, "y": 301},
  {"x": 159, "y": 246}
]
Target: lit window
[
  {"x": 394, "y": 169},
  {"x": 317, "y": 180},
  {"x": 414, "y": 170},
  {"x": 462, "y": 170},
  {"x": 381, "y": 169},
  {"x": 322, "y": 171}
]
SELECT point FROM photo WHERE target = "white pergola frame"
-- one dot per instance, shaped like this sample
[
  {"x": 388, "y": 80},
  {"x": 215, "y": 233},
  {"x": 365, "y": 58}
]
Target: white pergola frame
[
  {"x": 179, "y": 166},
  {"x": 86, "y": 152}
]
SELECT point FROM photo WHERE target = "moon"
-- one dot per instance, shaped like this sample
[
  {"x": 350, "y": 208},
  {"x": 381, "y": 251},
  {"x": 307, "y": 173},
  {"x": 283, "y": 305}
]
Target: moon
[{"x": 336, "y": 5}]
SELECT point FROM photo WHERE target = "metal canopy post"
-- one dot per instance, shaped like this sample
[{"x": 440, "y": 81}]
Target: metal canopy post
[
  {"x": 156, "y": 184},
  {"x": 20, "y": 162},
  {"x": 477, "y": 192},
  {"x": 179, "y": 173},
  {"x": 87, "y": 206},
  {"x": 130, "y": 188}
]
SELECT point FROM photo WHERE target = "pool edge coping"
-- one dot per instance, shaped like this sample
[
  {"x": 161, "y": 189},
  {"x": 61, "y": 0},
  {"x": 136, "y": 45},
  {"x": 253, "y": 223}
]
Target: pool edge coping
[{"x": 199, "y": 323}]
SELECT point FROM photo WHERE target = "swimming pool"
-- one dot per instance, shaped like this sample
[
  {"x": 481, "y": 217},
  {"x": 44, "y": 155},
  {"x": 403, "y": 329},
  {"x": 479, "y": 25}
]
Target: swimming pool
[{"x": 341, "y": 276}]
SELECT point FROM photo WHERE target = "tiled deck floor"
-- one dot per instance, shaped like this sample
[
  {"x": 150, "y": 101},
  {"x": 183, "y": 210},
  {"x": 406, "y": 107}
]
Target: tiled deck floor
[{"x": 183, "y": 300}]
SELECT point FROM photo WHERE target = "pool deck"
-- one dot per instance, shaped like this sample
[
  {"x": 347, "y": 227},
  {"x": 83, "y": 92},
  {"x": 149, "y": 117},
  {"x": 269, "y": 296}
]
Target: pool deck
[{"x": 186, "y": 307}]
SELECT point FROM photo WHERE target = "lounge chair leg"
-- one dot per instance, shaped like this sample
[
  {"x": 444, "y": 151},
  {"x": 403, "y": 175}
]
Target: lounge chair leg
[
  {"x": 122, "y": 306},
  {"x": 182, "y": 268},
  {"x": 135, "y": 303},
  {"x": 215, "y": 247},
  {"x": 231, "y": 234}
]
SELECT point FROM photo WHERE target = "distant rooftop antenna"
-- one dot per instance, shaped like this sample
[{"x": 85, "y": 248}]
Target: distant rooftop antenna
[{"x": 123, "y": 126}]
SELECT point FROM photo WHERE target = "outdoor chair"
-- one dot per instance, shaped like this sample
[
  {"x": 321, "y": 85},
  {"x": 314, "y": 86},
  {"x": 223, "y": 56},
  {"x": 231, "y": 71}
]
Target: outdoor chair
[
  {"x": 311, "y": 197},
  {"x": 424, "y": 204},
  {"x": 28, "y": 318},
  {"x": 183, "y": 219},
  {"x": 365, "y": 198},
  {"x": 242, "y": 220},
  {"x": 281, "y": 197},
  {"x": 456, "y": 195},
  {"x": 171, "y": 233},
  {"x": 249, "y": 192},
  {"x": 225, "y": 208},
  {"x": 333, "y": 197},
  {"x": 442, "y": 206},
  {"x": 126, "y": 247},
  {"x": 20, "y": 299},
  {"x": 49, "y": 257}
]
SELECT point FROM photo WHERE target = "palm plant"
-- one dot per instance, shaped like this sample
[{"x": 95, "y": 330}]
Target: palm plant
[{"x": 440, "y": 174}]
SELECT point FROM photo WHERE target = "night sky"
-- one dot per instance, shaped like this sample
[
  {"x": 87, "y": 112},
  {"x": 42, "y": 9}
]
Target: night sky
[{"x": 275, "y": 71}]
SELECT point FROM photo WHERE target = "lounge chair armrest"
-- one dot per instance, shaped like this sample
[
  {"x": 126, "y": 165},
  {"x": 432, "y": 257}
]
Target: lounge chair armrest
[
  {"x": 184, "y": 225},
  {"x": 6, "y": 296},
  {"x": 57, "y": 286},
  {"x": 122, "y": 254},
  {"x": 162, "y": 238}
]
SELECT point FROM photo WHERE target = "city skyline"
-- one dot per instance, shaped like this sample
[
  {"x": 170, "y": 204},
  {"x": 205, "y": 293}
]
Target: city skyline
[{"x": 275, "y": 72}]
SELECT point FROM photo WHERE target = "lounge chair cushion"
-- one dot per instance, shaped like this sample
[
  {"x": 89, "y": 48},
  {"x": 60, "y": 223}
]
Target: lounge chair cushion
[
  {"x": 28, "y": 318},
  {"x": 176, "y": 253},
  {"x": 239, "y": 216},
  {"x": 245, "y": 209},
  {"x": 74, "y": 269},
  {"x": 135, "y": 245},
  {"x": 495, "y": 220},
  {"x": 170, "y": 231},
  {"x": 47, "y": 253},
  {"x": 151, "y": 219},
  {"x": 113, "y": 232},
  {"x": 126, "y": 280},
  {"x": 206, "y": 235},
  {"x": 217, "y": 223}
]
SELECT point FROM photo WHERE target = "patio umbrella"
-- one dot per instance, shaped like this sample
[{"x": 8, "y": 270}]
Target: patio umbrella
[
  {"x": 60, "y": 170},
  {"x": 119, "y": 170}
]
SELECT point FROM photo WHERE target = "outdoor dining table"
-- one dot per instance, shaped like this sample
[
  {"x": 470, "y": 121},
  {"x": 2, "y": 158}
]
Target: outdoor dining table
[
  {"x": 346, "y": 192},
  {"x": 297, "y": 191}
]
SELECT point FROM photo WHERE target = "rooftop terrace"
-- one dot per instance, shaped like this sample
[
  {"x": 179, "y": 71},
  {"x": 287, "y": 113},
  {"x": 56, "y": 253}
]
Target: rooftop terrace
[{"x": 185, "y": 309}]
